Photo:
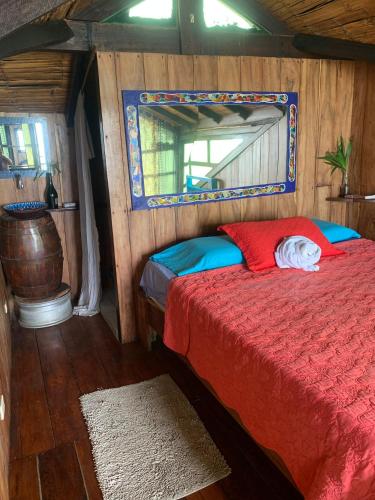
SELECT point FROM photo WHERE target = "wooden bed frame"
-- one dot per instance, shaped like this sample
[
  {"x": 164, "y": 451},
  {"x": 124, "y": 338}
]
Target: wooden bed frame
[{"x": 155, "y": 328}]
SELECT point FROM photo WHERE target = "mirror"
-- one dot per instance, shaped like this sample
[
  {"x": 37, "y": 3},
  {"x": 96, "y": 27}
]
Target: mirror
[
  {"x": 196, "y": 147},
  {"x": 23, "y": 144}
]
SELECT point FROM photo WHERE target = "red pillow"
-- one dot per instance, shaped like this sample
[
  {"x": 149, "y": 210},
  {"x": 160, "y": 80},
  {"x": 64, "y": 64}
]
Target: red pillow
[{"x": 258, "y": 240}]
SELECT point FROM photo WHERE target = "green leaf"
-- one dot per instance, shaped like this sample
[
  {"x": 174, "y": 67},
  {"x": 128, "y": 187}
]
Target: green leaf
[
  {"x": 338, "y": 159},
  {"x": 333, "y": 160},
  {"x": 334, "y": 169}
]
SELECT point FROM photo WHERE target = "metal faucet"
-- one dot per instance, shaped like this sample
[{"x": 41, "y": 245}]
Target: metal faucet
[{"x": 19, "y": 181}]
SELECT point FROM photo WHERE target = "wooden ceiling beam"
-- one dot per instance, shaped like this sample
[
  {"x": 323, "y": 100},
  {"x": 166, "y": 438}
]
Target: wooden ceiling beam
[
  {"x": 98, "y": 10},
  {"x": 207, "y": 111},
  {"x": 33, "y": 37},
  {"x": 120, "y": 37},
  {"x": 129, "y": 37},
  {"x": 18, "y": 13},
  {"x": 187, "y": 112},
  {"x": 170, "y": 117},
  {"x": 239, "y": 110},
  {"x": 78, "y": 72},
  {"x": 334, "y": 48},
  {"x": 247, "y": 44},
  {"x": 190, "y": 20}
]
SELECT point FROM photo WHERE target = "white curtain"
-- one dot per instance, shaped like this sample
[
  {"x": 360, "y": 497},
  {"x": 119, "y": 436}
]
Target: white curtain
[{"x": 89, "y": 299}]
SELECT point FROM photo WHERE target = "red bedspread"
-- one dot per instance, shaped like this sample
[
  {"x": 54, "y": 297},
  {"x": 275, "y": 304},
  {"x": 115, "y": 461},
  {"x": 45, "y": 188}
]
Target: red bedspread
[{"x": 293, "y": 353}]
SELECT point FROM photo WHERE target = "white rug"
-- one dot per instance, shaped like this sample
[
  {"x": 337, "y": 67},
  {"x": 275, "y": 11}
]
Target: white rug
[{"x": 149, "y": 443}]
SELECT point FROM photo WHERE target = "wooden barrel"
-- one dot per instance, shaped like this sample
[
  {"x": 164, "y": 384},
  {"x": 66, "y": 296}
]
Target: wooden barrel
[{"x": 31, "y": 254}]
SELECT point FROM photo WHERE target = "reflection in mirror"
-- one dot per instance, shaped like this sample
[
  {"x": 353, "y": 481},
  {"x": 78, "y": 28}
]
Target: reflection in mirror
[
  {"x": 196, "y": 147},
  {"x": 191, "y": 148},
  {"x": 23, "y": 144}
]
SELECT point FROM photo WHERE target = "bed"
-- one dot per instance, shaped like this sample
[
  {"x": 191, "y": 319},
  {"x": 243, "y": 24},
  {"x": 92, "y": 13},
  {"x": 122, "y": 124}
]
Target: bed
[
  {"x": 293, "y": 355},
  {"x": 155, "y": 283}
]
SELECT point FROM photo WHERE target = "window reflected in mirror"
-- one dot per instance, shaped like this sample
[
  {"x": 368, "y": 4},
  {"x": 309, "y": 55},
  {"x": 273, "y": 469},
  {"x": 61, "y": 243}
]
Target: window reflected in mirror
[{"x": 23, "y": 144}]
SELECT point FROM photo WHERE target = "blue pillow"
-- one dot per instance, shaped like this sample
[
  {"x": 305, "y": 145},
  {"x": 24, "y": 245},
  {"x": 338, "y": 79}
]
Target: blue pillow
[
  {"x": 200, "y": 254},
  {"x": 334, "y": 232}
]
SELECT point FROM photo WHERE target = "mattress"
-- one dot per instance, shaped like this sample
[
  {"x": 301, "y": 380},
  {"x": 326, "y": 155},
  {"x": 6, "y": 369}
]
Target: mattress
[
  {"x": 293, "y": 354},
  {"x": 155, "y": 282}
]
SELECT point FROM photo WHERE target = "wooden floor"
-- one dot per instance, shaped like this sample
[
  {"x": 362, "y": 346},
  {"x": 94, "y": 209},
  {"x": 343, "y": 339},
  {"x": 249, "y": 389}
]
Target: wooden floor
[{"x": 50, "y": 450}]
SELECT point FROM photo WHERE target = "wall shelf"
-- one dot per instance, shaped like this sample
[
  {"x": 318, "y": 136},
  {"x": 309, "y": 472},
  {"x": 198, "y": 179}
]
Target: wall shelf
[
  {"x": 63, "y": 209},
  {"x": 350, "y": 200}
]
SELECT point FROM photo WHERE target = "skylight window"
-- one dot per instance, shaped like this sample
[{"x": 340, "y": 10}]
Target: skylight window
[
  {"x": 153, "y": 9},
  {"x": 217, "y": 14}
]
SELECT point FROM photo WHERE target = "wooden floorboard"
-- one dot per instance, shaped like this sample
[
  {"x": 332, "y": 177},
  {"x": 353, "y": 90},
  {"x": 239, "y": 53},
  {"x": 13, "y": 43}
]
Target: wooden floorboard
[
  {"x": 213, "y": 492},
  {"x": 60, "y": 474},
  {"x": 51, "y": 452},
  {"x": 110, "y": 353},
  {"x": 83, "y": 450},
  {"x": 33, "y": 433},
  {"x": 24, "y": 480},
  {"x": 88, "y": 368},
  {"x": 61, "y": 387}
]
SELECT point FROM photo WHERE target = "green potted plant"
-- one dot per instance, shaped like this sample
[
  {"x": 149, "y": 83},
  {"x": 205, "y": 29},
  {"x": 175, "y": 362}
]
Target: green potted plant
[{"x": 339, "y": 160}]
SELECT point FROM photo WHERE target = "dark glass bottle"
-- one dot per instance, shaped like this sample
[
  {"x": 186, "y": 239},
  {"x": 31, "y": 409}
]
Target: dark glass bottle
[{"x": 51, "y": 193}]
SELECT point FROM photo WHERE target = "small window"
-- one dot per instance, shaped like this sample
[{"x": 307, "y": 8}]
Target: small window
[
  {"x": 153, "y": 9},
  {"x": 146, "y": 11},
  {"x": 23, "y": 144},
  {"x": 219, "y": 15}
]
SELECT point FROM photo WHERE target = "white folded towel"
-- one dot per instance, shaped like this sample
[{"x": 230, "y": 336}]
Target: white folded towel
[{"x": 298, "y": 252}]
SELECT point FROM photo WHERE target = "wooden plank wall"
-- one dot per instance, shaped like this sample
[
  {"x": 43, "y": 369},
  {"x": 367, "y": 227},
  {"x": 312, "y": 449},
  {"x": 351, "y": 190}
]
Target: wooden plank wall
[
  {"x": 363, "y": 125},
  {"x": 325, "y": 111},
  {"x": 5, "y": 366},
  {"x": 263, "y": 162},
  {"x": 61, "y": 142},
  {"x": 36, "y": 81}
]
